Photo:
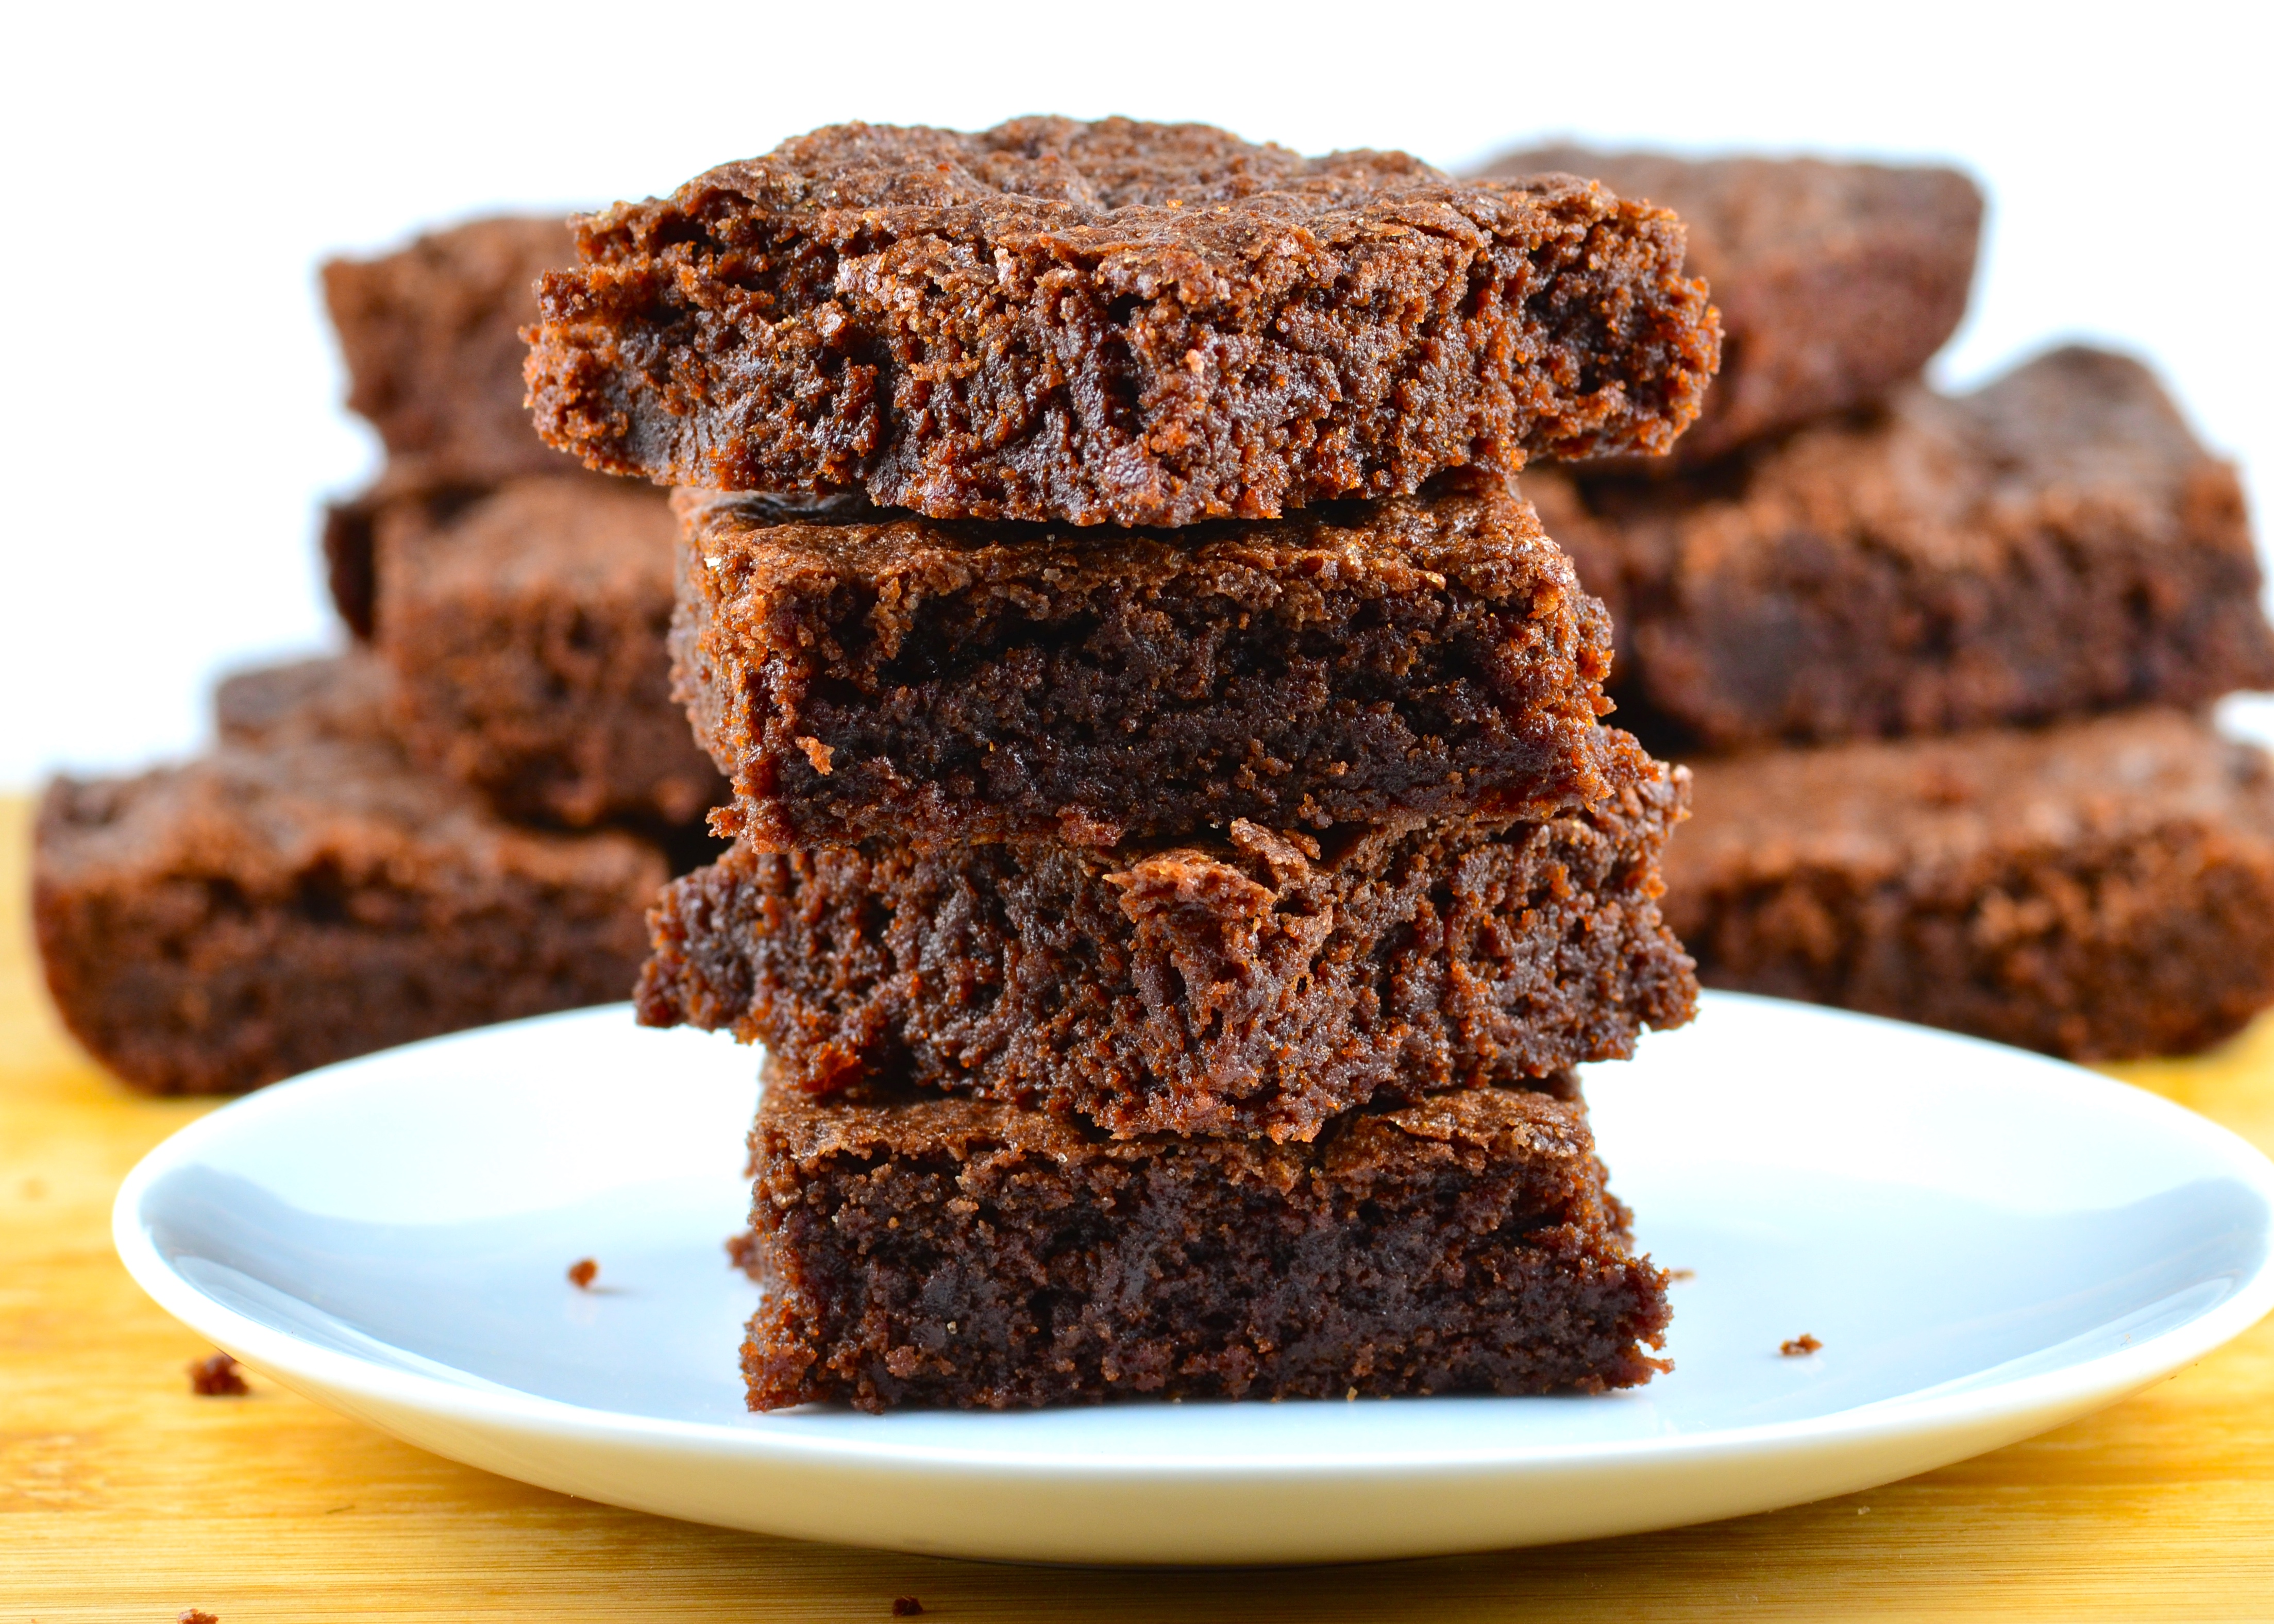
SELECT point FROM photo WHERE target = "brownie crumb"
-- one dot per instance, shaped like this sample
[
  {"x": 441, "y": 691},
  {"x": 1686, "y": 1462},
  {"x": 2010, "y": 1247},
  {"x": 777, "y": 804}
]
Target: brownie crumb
[
  {"x": 1682, "y": 1274},
  {"x": 195, "y": 1616},
  {"x": 906, "y": 1607},
  {"x": 1799, "y": 1345},
  {"x": 742, "y": 1251},
  {"x": 217, "y": 1376},
  {"x": 583, "y": 1273}
]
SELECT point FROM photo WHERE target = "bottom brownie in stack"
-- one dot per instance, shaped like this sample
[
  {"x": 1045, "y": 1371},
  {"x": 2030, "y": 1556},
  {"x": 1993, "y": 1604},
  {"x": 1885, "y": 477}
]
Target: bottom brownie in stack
[
  {"x": 933, "y": 1249},
  {"x": 302, "y": 894}
]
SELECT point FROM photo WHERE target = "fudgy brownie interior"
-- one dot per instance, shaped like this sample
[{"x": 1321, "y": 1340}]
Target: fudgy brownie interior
[
  {"x": 881, "y": 674},
  {"x": 965, "y": 1253},
  {"x": 1258, "y": 984}
]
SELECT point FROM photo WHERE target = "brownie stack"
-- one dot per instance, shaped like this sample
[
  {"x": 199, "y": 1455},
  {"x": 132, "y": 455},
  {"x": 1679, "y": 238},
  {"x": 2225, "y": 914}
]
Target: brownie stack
[
  {"x": 464, "y": 819},
  {"x": 1939, "y": 661},
  {"x": 1178, "y": 863}
]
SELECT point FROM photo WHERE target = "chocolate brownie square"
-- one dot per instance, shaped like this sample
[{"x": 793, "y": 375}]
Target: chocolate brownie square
[
  {"x": 1251, "y": 983},
  {"x": 952, "y": 1252},
  {"x": 277, "y": 905},
  {"x": 431, "y": 334},
  {"x": 328, "y": 696},
  {"x": 2098, "y": 890},
  {"x": 2056, "y": 542},
  {"x": 527, "y": 636},
  {"x": 1111, "y": 323},
  {"x": 883, "y": 674},
  {"x": 1835, "y": 281}
]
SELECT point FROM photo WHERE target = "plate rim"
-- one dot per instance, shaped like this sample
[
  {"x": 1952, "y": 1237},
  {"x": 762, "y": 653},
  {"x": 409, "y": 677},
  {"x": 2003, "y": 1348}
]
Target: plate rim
[{"x": 281, "y": 1355}]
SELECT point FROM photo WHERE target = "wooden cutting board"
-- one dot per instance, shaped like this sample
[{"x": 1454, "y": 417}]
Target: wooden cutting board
[{"x": 123, "y": 1497}]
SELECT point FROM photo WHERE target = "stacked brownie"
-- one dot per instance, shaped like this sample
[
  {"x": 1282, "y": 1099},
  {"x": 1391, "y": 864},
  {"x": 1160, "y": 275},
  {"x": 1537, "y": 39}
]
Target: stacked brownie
[
  {"x": 1177, "y": 861},
  {"x": 1939, "y": 661},
  {"x": 463, "y": 821}
]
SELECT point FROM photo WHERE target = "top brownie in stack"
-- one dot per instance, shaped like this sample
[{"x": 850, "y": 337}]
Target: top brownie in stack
[
  {"x": 865, "y": 673},
  {"x": 1835, "y": 281},
  {"x": 1112, "y": 323}
]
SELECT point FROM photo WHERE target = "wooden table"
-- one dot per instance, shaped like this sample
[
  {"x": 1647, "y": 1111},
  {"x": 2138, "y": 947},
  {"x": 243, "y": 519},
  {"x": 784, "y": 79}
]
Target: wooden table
[{"x": 123, "y": 1497}]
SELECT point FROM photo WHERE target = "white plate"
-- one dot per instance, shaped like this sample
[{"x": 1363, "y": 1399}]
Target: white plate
[{"x": 1988, "y": 1244}]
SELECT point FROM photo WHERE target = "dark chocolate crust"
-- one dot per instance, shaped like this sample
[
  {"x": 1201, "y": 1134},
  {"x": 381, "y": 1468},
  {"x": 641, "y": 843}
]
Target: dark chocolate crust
[
  {"x": 271, "y": 907},
  {"x": 917, "y": 677},
  {"x": 527, "y": 636},
  {"x": 1111, "y": 323},
  {"x": 431, "y": 336},
  {"x": 2100, "y": 889},
  {"x": 2056, "y": 543},
  {"x": 960, "y": 1253},
  {"x": 1255, "y": 985},
  {"x": 1835, "y": 281}
]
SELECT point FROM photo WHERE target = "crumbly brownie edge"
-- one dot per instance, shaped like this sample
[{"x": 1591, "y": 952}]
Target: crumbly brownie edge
[{"x": 952, "y": 1252}]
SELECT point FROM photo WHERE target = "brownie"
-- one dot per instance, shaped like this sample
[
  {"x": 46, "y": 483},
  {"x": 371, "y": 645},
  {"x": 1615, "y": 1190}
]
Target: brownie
[
  {"x": 1111, "y": 323},
  {"x": 277, "y": 905},
  {"x": 431, "y": 336},
  {"x": 326, "y": 697},
  {"x": 2098, "y": 890},
  {"x": 2056, "y": 542},
  {"x": 952, "y": 1252},
  {"x": 930, "y": 678},
  {"x": 405, "y": 492},
  {"x": 527, "y": 636},
  {"x": 1253, "y": 983},
  {"x": 1835, "y": 281}
]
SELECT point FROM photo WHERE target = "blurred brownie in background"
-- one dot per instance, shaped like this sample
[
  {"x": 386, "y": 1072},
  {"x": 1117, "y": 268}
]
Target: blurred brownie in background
[
  {"x": 526, "y": 632},
  {"x": 2097, "y": 889},
  {"x": 2056, "y": 543},
  {"x": 430, "y": 337},
  {"x": 302, "y": 895},
  {"x": 1835, "y": 281},
  {"x": 431, "y": 334}
]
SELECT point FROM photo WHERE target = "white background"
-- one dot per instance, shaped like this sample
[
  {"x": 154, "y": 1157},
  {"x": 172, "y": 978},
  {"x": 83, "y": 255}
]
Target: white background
[{"x": 168, "y": 415}]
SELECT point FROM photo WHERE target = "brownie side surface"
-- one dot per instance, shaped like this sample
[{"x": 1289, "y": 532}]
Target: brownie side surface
[
  {"x": 1111, "y": 323},
  {"x": 952, "y": 1251},
  {"x": 2056, "y": 543},
  {"x": 1426, "y": 654},
  {"x": 1835, "y": 281},
  {"x": 1260, "y": 984},
  {"x": 431, "y": 336},
  {"x": 2099, "y": 889},
  {"x": 331, "y": 697},
  {"x": 267, "y": 909},
  {"x": 528, "y": 636}
]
